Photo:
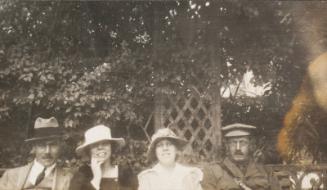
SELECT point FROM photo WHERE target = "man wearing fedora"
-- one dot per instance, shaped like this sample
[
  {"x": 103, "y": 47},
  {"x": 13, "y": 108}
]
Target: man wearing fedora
[
  {"x": 237, "y": 170},
  {"x": 42, "y": 173}
]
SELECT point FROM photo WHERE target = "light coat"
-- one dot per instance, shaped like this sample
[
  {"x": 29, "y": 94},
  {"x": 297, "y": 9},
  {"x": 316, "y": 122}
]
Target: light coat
[{"x": 15, "y": 178}]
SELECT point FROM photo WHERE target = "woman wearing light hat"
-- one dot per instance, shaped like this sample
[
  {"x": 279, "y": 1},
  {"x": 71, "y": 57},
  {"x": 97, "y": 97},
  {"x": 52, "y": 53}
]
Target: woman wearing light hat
[
  {"x": 168, "y": 174},
  {"x": 100, "y": 173}
]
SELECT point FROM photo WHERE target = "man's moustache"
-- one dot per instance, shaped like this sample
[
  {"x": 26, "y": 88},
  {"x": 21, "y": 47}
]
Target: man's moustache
[{"x": 239, "y": 153}]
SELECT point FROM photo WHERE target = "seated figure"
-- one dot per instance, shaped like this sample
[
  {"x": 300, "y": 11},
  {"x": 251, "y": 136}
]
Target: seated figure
[
  {"x": 238, "y": 170},
  {"x": 167, "y": 173},
  {"x": 100, "y": 173},
  {"x": 43, "y": 173}
]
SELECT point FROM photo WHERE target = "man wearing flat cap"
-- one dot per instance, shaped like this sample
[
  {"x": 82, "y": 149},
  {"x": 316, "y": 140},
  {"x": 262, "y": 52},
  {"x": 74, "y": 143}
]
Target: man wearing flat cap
[
  {"x": 237, "y": 170},
  {"x": 43, "y": 173}
]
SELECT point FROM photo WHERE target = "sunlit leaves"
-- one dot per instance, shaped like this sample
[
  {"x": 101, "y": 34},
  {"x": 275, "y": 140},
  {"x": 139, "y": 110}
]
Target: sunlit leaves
[{"x": 95, "y": 60}]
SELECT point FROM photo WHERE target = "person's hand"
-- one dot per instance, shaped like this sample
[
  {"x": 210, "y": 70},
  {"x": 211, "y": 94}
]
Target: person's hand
[
  {"x": 97, "y": 172},
  {"x": 242, "y": 184}
]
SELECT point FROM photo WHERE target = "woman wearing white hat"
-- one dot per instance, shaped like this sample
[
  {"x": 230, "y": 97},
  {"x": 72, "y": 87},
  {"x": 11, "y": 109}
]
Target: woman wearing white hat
[
  {"x": 100, "y": 173},
  {"x": 168, "y": 174}
]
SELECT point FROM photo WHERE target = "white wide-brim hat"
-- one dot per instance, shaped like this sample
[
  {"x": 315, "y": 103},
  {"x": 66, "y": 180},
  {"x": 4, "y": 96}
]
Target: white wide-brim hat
[
  {"x": 164, "y": 133},
  {"x": 98, "y": 134}
]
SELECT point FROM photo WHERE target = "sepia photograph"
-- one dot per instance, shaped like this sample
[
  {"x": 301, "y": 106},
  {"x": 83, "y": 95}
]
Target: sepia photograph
[{"x": 163, "y": 95}]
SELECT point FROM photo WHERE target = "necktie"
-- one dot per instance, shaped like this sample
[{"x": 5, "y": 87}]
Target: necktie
[{"x": 40, "y": 177}]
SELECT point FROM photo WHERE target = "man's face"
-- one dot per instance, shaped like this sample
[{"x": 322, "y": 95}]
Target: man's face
[
  {"x": 46, "y": 152},
  {"x": 238, "y": 148}
]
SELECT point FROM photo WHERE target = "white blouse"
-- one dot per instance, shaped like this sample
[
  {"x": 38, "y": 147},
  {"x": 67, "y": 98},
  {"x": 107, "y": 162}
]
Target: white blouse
[{"x": 181, "y": 178}]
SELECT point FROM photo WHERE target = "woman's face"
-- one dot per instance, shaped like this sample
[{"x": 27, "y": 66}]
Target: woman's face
[
  {"x": 166, "y": 152},
  {"x": 101, "y": 151}
]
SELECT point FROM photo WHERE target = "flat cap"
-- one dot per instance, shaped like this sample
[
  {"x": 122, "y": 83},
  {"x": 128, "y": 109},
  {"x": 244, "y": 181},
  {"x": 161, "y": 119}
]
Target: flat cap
[{"x": 237, "y": 129}]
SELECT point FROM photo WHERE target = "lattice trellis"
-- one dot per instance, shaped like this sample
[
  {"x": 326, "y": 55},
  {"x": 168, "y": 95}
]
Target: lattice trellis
[{"x": 192, "y": 116}]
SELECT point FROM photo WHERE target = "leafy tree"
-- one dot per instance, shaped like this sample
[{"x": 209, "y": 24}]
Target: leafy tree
[{"x": 91, "y": 62}]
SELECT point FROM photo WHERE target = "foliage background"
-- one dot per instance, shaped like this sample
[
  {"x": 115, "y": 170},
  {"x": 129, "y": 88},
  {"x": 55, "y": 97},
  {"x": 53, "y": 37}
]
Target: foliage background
[{"x": 102, "y": 62}]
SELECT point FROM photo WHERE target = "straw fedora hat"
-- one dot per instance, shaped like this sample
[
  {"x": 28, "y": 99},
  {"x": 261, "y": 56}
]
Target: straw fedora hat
[
  {"x": 164, "y": 133},
  {"x": 45, "y": 129},
  {"x": 97, "y": 134}
]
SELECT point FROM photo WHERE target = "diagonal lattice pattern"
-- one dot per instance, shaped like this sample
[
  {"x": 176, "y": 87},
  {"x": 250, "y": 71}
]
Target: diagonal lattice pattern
[{"x": 189, "y": 115}]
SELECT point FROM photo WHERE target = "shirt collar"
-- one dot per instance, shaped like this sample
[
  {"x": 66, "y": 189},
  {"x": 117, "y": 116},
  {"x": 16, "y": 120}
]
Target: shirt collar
[
  {"x": 36, "y": 169},
  {"x": 41, "y": 167},
  {"x": 113, "y": 173}
]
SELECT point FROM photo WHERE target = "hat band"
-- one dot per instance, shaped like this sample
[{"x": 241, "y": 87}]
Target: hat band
[{"x": 44, "y": 132}]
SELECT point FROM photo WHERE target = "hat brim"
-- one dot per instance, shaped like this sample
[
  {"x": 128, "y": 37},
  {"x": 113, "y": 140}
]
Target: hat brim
[
  {"x": 237, "y": 133},
  {"x": 81, "y": 149},
  {"x": 35, "y": 139},
  {"x": 178, "y": 142}
]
